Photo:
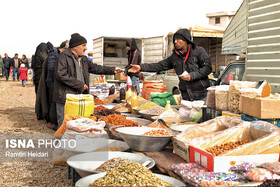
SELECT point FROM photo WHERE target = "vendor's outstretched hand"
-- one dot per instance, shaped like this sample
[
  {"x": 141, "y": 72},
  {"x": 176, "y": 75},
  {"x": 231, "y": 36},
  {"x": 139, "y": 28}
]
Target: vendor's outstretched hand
[{"x": 134, "y": 68}]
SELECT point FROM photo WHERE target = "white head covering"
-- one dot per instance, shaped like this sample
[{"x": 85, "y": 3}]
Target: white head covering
[{"x": 22, "y": 65}]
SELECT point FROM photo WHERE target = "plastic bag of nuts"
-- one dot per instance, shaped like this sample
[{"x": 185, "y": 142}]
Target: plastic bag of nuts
[
  {"x": 221, "y": 97},
  {"x": 210, "y": 99}
]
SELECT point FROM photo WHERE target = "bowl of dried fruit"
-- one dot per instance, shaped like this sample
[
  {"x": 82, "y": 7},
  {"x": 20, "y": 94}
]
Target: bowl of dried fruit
[{"x": 146, "y": 138}]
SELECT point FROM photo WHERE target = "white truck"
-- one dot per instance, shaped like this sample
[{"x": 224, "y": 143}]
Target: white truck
[{"x": 254, "y": 34}]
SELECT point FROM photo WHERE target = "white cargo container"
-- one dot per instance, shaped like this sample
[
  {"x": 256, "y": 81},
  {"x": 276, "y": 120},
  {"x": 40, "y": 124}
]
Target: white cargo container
[{"x": 254, "y": 33}]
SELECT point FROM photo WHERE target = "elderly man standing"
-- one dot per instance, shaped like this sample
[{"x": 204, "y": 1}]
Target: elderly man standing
[{"x": 71, "y": 73}]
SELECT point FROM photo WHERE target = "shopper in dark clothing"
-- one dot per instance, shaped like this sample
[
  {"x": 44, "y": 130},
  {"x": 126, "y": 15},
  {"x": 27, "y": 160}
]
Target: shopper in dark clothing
[
  {"x": 190, "y": 62},
  {"x": 134, "y": 57},
  {"x": 52, "y": 56},
  {"x": 71, "y": 73},
  {"x": 24, "y": 61},
  {"x": 15, "y": 63},
  {"x": 39, "y": 57},
  {"x": 7, "y": 64}
]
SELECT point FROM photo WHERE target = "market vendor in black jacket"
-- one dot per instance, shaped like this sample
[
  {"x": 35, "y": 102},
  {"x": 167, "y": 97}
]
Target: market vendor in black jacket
[
  {"x": 71, "y": 72},
  {"x": 190, "y": 62}
]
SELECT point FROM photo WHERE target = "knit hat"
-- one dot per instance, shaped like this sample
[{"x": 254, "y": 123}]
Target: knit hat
[
  {"x": 76, "y": 40},
  {"x": 22, "y": 65}
]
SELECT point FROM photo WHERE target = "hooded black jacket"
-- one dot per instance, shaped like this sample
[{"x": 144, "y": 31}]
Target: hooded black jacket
[
  {"x": 65, "y": 78},
  {"x": 133, "y": 55},
  {"x": 198, "y": 65}
]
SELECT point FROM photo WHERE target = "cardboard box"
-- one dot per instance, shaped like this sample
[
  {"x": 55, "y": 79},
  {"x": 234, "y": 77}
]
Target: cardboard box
[
  {"x": 120, "y": 76},
  {"x": 181, "y": 148},
  {"x": 223, "y": 163},
  {"x": 261, "y": 107},
  {"x": 263, "y": 146}
]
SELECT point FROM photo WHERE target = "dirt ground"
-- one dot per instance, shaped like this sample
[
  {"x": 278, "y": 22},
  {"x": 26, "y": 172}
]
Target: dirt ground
[{"x": 17, "y": 115}]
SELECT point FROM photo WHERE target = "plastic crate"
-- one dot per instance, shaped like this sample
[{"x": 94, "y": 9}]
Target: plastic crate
[
  {"x": 208, "y": 113},
  {"x": 246, "y": 117}
]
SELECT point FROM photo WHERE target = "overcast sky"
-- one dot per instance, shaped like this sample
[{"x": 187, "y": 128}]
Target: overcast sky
[{"x": 26, "y": 23}]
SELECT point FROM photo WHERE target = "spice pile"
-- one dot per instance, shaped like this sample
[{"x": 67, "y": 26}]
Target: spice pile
[
  {"x": 219, "y": 149},
  {"x": 100, "y": 108},
  {"x": 158, "y": 133},
  {"x": 147, "y": 106},
  {"x": 98, "y": 101},
  {"x": 112, "y": 163},
  {"x": 130, "y": 174},
  {"x": 118, "y": 119}
]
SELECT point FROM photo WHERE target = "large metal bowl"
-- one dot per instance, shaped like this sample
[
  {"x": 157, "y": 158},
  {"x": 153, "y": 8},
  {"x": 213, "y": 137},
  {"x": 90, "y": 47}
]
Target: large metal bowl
[
  {"x": 91, "y": 144},
  {"x": 86, "y": 163},
  {"x": 138, "y": 142},
  {"x": 84, "y": 182},
  {"x": 146, "y": 116}
]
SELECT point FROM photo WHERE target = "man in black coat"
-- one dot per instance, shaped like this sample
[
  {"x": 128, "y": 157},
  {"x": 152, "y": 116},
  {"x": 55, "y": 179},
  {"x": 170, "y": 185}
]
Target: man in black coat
[
  {"x": 191, "y": 64},
  {"x": 134, "y": 57},
  {"x": 71, "y": 73},
  {"x": 7, "y": 64}
]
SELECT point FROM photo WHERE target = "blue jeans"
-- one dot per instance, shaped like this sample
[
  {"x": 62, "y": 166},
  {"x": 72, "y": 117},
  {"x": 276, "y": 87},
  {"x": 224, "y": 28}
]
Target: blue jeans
[
  {"x": 15, "y": 71},
  {"x": 23, "y": 82}
]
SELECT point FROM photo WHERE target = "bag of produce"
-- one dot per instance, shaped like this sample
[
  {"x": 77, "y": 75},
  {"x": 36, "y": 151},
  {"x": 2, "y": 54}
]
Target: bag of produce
[
  {"x": 80, "y": 104},
  {"x": 162, "y": 98}
]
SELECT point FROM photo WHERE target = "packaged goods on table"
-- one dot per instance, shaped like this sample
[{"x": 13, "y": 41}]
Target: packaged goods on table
[
  {"x": 98, "y": 101},
  {"x": 208, "y": 127},
  {"x": 210, "y": 99},
  {"x": 170, "y": 116},
  {"x": 59, "y": 133},
  {"x": 112, "y": 163},
  {"x": 162, "y": 98},
  {"x": 221, "y": 97},
  {"x": 272, "y": 166},
  {"x": 147, "y": 106},
  {"x": 74, "y": 103},
  {"x": 242, "y": 168},
  {"x": 235, "y": 94},
  {"x": 118, "y": 119},
  {"x": 195, "y": 175},
  {"x": 191, "y": 110},
  {"x": 259, "y": 174},
  {"x": 130, "y": 174}
]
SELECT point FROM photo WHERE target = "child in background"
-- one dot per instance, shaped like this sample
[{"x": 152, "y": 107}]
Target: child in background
[{"x": 23, "y": 74}]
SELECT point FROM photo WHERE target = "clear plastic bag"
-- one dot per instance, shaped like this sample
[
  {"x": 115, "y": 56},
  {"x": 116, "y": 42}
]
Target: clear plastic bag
[
  {"x": 170, "y": 117},
  {"x": 221, "y": 97},
  {"x": 210, "y": 99}
]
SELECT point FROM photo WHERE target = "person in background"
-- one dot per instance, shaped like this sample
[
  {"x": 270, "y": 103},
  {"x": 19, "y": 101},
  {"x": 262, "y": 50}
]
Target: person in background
[
  {"x": 134, "y": 57},
  {"x": 15, "y": 63},
  {"x": 24, "y": 60},
  {"x": 23, "y": 74},
  {"x": 191, "y": 64},
  {"x": 52, "y": 56},
  {"x": 71, "y": 73},
  {"x": 39, "y": 57},
  {"x": 1, "y": 66},
  {"x": 7, "y": 65}
]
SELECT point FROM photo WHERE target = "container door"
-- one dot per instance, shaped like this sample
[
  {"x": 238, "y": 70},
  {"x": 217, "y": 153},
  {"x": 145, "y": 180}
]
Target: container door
[
  {"x": 98, "y": 50},
  {"x": 263, "y": 58},
  {"x": 153, "y": 49},
  {"x": 236, "y": 34}
]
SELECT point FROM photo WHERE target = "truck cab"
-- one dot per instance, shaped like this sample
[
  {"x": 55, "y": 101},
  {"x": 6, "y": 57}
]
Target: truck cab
[{"x": 234, "y": 71}]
